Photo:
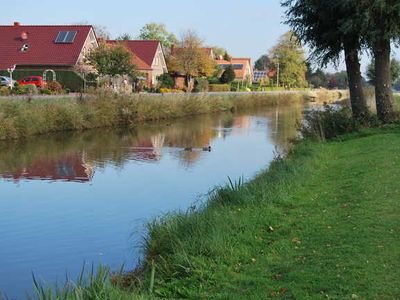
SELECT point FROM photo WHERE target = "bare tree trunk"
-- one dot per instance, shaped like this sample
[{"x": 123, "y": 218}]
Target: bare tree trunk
[
  {"x": 357, "y": 98},
  {"x": 383, "y": 81}
]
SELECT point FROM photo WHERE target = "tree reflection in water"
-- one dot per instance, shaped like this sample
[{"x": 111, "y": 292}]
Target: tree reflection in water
[{"x": 76, "y": 156}]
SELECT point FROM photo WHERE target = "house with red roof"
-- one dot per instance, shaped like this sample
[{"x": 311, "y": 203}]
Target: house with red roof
[
  {"x": 34, "y": 49},
  {"x": 58, "y": 47},
  {"x": 148, "y": 57},
  {"x": 241, "y": 66}
]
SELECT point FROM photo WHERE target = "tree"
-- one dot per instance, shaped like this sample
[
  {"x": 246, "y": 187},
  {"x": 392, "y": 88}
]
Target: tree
[
  {"x": 124, "y": 37},
  {"x": 191, "y": 59},
  {"x": 288, "y": 57},
  {"x": 394, "y": 71},
  {"x": 262, "y": 63},
  {"x": 317, "y": 79},
  {"x": 338, "y": 80},
  {"x": 381, "y": 26},
  {"x": 166, "y": 81},
  {"x": 227, "y": 57},
  {"x": 111, "y": 60},
  {"x": 218, "y": 51},
  {"x": 329, "y": 27},
  {"x": 159, "y": 32},
  {"x": 229, "y": 75},
  {"x": 101, "y": 32}
]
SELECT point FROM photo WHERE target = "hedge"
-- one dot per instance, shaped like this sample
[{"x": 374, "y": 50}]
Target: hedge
[{"x": 219, "y": 88}]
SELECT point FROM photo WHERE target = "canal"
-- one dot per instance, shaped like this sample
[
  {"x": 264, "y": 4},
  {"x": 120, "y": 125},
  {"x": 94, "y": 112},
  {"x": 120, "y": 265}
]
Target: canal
[{"x": 84, "y": 198}]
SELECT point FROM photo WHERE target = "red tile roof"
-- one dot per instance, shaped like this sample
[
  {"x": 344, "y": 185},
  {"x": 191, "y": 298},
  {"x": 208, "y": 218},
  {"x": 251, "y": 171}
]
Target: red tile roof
[
  {"x": 42, "y": 48},
  {"x": 143, "y": 52},
  {"x": 240, "y": 73}
]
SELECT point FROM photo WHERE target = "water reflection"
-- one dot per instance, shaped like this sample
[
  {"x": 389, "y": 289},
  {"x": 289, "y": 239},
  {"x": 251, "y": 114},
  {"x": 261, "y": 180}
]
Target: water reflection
[
  {"x": 77, "y": 156},
  {"x": 106, "y": 184}
]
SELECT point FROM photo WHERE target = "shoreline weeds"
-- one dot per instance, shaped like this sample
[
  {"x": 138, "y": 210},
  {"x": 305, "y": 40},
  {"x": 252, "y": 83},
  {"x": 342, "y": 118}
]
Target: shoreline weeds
[{"x": 20, "y": 119}]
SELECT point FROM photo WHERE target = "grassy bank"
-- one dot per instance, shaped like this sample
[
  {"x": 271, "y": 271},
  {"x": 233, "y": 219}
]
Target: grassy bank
[
  {"x": 322, "y": 223},
  {"x": 20, "y": 118}
]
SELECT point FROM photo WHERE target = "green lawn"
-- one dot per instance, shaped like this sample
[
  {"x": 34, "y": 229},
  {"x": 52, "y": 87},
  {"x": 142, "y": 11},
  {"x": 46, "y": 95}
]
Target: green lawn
[{"x": 322, "y": 224}]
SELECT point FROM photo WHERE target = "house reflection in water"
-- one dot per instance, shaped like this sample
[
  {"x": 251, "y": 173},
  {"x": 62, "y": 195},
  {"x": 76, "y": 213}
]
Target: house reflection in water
[
  {"x": 71, "y": 167},
  {"x": 149, "y": 149}
]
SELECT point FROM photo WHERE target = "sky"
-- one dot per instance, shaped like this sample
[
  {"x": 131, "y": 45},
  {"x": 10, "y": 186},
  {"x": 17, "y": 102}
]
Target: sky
[{"x": 245, "y": 28}]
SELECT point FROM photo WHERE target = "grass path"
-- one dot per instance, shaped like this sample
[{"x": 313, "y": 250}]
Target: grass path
[{"x": 323, "y": 224}]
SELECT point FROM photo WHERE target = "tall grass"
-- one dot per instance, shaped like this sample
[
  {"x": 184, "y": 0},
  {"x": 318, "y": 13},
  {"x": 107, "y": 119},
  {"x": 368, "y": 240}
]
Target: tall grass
[
  {"x": 20, "y": 118},
  {"x": 89, "y": 285}
]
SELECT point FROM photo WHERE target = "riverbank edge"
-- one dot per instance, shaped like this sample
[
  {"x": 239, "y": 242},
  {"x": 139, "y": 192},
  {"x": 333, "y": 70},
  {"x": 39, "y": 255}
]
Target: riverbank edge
[
  {"x": 38, "y": 116},
  {"x": 185, "y": 258}
]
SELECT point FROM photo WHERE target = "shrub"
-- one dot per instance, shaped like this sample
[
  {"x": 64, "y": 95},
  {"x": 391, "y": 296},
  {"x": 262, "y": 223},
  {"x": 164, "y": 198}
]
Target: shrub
[
  {"x": 4, "y": 91},
  {"x": 228, "y": 76},
  {"x": 219, "y": 87},
  {"x": 166, "y": 81},
  {"x": 202, "y": 85},
  {"x": 45, "y": 91},
  {"x": 168, "y": 91},
  {"x": 30, "y": 89},
  {"x": 213, "y": 80},
  {"x": 328, "y": 123},
  {"x": 54, "y": 87}
]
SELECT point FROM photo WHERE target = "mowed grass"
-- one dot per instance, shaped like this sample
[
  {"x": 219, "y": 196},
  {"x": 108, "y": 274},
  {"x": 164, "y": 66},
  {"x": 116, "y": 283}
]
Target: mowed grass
[{"x": 324, "y": 223}]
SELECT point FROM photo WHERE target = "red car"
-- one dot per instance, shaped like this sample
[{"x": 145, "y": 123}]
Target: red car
[{"x": 36, "y": 80}]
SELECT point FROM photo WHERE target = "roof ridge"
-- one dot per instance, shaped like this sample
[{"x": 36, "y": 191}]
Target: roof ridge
[{"x": 69, "y": 25}]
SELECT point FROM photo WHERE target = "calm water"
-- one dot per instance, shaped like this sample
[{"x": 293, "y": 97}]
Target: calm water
[{"x": 86, "y": 197}]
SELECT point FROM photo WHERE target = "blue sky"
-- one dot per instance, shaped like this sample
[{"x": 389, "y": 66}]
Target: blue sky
[{"x": 246, "y": 28}]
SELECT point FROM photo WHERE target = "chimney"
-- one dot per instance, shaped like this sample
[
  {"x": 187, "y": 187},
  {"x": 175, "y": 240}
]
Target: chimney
[
  {"x": 17, "y": 24},
  {"x": 24, "y": 36}
]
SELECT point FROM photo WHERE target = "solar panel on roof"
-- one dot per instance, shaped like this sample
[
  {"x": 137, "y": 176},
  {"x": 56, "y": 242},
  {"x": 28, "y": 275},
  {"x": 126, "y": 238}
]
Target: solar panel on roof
[
  {"x": 70, "y": 37},
  {"x": 66, "y": 37}
]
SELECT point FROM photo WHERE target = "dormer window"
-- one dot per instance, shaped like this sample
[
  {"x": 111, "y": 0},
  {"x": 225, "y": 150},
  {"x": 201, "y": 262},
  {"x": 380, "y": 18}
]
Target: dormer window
[
  {"x": 25, "y": 48},
  {"x": 66, "y": 37}
]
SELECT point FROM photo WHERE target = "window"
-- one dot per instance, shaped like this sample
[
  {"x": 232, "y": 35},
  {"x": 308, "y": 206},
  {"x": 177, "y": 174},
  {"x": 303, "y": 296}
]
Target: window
[{"x": 66, "y": 37}]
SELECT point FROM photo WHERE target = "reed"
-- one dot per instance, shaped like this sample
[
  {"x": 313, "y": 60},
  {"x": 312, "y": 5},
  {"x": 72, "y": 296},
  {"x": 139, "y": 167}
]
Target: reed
[{"x": 21, "y": 118}]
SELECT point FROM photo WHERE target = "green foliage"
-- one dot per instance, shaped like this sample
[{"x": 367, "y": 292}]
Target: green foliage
[
  {"x": 262, "y": 63},
  {"x": 218, "y": 51},
  {"x": 45, "y": 91},
  {"x": 89, "y": 285},
  {"x": 166, "y": 81},
  {"x": 227, "y": 57},
  {"x": 202, "y": 85},
  {"x": 124, "y": 37},
  {"x": 158, "y": 32},
  {"x": 30, "y": 89},
  {"x": 111, "y": 60},
  {"x": 289, "y": 54},
  {"x": 394, "y": 70},
  {"x": 228, "y": 76}
]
